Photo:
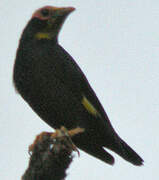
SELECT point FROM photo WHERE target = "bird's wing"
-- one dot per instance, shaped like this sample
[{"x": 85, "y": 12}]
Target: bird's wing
[{"x": 78, "y": 83}]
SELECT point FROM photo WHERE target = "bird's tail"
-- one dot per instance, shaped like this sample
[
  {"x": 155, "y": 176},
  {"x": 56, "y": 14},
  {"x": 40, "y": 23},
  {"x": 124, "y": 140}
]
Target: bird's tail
[
  {"x": 100, "y": 153},
  {"x": 126, "y": 152}
]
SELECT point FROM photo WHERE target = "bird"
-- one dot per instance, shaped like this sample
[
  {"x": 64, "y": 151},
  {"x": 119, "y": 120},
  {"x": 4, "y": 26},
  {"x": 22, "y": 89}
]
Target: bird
[{"x": 55, "y": 87}]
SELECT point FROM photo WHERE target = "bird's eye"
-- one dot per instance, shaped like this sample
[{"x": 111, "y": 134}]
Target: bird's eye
[{"x": 45, "y": 12}]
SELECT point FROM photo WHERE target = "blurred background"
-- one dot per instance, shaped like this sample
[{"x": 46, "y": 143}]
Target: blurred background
[{"x": 116, "y": 43}]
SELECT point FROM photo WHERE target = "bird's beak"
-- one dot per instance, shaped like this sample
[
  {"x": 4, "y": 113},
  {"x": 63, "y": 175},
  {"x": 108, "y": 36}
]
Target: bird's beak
[
  {"x": 58, "y": 17},
  {"x": 64, "y": 11},
  {"x": 61, "y": 13}
]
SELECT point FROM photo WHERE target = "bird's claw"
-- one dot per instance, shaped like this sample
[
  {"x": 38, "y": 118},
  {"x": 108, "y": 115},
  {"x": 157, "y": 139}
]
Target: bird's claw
[
  {"x": 61, "y": 133},
  {"x": 64, "y": 133}
]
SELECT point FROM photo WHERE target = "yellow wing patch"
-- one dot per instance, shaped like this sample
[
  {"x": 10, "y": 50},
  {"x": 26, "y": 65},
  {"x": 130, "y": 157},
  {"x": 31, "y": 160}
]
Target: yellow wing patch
[
  {"x": 43, "y": 35},
  {"x": 89, "y": 107}
]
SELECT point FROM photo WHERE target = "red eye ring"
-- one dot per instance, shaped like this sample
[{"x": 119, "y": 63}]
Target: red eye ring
[{"x": 45, "y": 12}]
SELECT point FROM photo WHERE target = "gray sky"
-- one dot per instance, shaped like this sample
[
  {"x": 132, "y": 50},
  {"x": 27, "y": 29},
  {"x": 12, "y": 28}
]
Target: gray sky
[{"x": 116, "y": 43}]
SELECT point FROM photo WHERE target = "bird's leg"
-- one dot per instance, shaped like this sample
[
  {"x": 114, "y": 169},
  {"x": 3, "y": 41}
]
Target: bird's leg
[{"x": 64, "y": 133}]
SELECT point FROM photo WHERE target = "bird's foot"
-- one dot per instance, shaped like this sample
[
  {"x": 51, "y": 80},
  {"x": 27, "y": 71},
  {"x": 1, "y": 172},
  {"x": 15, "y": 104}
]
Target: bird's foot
[
  {"x": 61, "y": 134},
  {"x": 67, "y": 134}
]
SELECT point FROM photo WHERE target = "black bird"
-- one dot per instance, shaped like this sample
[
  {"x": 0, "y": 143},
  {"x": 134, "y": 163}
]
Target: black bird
[{"x": 55, "y": 87}]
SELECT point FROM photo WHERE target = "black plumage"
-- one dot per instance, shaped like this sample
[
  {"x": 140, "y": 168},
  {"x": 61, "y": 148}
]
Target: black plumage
[{"x": 51, "y": 82}]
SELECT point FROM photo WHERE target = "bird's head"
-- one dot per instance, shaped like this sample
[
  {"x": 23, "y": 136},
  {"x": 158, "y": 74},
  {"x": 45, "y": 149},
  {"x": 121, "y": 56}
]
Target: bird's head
[{"x": 46, "y": 22}]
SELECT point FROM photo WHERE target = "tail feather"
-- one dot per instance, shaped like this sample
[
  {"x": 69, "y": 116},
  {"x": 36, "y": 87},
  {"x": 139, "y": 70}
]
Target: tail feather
[
  {"x": 126, "y": 152},
  {"x": 99, "y": 153}
]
